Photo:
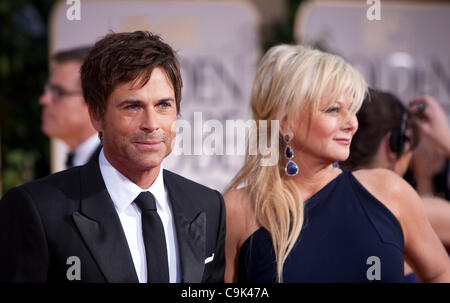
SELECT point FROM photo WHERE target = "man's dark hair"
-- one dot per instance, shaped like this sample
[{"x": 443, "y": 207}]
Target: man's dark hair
[
  {"x": 124, "y": 57},
  {"x": 75, "y": 54}
]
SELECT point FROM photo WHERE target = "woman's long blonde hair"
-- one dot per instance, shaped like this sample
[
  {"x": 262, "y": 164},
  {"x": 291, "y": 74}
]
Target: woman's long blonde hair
[{"x": 290, "y": 79}]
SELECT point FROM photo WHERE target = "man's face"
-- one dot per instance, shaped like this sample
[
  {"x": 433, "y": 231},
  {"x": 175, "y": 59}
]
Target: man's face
[
  {"x": 64, "y": 111},
  {"x": 139, "y": 124}
]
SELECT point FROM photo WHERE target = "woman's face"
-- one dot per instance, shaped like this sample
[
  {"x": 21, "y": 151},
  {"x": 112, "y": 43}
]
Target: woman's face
[{"x": 331, "y": 131}]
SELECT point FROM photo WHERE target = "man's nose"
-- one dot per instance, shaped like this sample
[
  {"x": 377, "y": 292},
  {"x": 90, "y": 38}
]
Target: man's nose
[
  {"x": 149, "y": 120},
  {"x": 46, "y": 98}
]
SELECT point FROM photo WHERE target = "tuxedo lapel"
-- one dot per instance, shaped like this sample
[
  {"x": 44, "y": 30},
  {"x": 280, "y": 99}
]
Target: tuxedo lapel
[
  {"x": 190, "y": 226},
  {"x": 101, "y": 229}
]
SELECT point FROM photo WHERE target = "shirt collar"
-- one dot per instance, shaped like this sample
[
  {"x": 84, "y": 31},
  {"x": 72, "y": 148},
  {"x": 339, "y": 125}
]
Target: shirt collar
[
  {"x": 84, "y": 151},
  {"x": 123, "y": 191}
]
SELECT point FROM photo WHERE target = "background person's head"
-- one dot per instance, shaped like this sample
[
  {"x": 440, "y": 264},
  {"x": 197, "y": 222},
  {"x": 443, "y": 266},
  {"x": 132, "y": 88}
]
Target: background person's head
[
  {"x": 65, "y": 114},
  {"x": 132, "y": 84},
  {"x": 297, "y": 86},
  {"x": 386, "y": 136}
]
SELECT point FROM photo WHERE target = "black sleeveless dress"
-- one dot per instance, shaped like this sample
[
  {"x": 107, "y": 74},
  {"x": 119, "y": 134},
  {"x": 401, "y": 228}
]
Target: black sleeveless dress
[{"x": 347, "y": 236}]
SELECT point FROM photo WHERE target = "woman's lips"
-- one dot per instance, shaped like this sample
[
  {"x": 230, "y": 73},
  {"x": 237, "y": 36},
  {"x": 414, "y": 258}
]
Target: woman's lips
[{"x": 343, "y": 141}]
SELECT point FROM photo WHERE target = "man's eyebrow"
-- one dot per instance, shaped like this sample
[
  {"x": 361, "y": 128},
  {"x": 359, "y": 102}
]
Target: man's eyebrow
[
  {"x": 166, "y": 99},
  {"x": 57, "y": 86},
  {"x": 137, "y": 101},
  {"x": 130, "y": 101}
]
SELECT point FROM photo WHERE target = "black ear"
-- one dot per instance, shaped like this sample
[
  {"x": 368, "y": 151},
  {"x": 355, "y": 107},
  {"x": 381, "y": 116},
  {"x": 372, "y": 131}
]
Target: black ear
[{"x": 396, "y": 141}]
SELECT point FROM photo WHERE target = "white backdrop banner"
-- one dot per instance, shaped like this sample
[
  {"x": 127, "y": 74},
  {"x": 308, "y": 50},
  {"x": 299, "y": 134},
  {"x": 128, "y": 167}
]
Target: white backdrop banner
[
  {"x": 217, "y": 44},
  {"x": 406, "y": 52}
]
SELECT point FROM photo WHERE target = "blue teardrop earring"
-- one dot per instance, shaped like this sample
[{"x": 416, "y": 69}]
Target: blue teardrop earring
[{"x": 291, "y": 168}]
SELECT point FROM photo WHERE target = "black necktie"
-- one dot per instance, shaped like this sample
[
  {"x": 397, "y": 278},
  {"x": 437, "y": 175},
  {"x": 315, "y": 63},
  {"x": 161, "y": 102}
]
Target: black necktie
[
  {"x": 154, "y": 239},
  {"x": 69, "y": 160}
]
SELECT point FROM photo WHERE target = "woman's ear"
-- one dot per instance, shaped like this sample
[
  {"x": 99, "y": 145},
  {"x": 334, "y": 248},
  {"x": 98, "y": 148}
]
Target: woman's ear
[
  {"x": 390, "y": 155},
  {"x": 285, "y": 128}
]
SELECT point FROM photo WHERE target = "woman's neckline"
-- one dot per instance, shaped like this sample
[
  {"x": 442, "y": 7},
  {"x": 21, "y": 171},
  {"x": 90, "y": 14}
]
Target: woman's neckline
[
  {"x": 311, "y": 202},
  {"x": 326, "y": 186}
]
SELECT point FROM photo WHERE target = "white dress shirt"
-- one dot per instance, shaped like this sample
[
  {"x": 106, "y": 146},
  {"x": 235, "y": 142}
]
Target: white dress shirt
[
  {"x": 84, "y": 151},
  {"x": 123, "y": 192}
]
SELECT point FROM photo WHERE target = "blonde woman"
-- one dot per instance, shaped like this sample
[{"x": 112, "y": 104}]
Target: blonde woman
[{"x": 304, "y": 219}]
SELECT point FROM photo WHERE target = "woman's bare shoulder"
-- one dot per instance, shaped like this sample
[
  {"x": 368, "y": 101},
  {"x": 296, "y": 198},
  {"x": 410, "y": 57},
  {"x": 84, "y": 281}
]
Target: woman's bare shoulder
[
  {"x": 422, "y": 247},
  {"x": 387, "y": 187},
  {"x": 241, "y": 218},
  {"x": 237, "y": 202},
  {"x": 236, "y": 194}
]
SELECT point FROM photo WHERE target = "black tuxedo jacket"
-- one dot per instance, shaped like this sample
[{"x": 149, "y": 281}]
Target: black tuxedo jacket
[{"x": 44, "y": 222}]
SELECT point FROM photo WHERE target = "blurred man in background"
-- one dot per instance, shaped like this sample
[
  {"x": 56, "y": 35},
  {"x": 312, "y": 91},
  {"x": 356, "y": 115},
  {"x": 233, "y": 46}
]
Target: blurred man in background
[{"x": 65, "y": 113}]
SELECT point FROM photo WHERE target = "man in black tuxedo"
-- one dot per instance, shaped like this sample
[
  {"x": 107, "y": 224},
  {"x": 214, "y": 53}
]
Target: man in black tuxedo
[
  {"x": 120, "y": 217},
  {"x": 65, "y": 114}
]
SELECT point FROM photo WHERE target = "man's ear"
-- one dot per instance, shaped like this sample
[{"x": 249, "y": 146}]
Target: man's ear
[{"x": 96, "y": 121}]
